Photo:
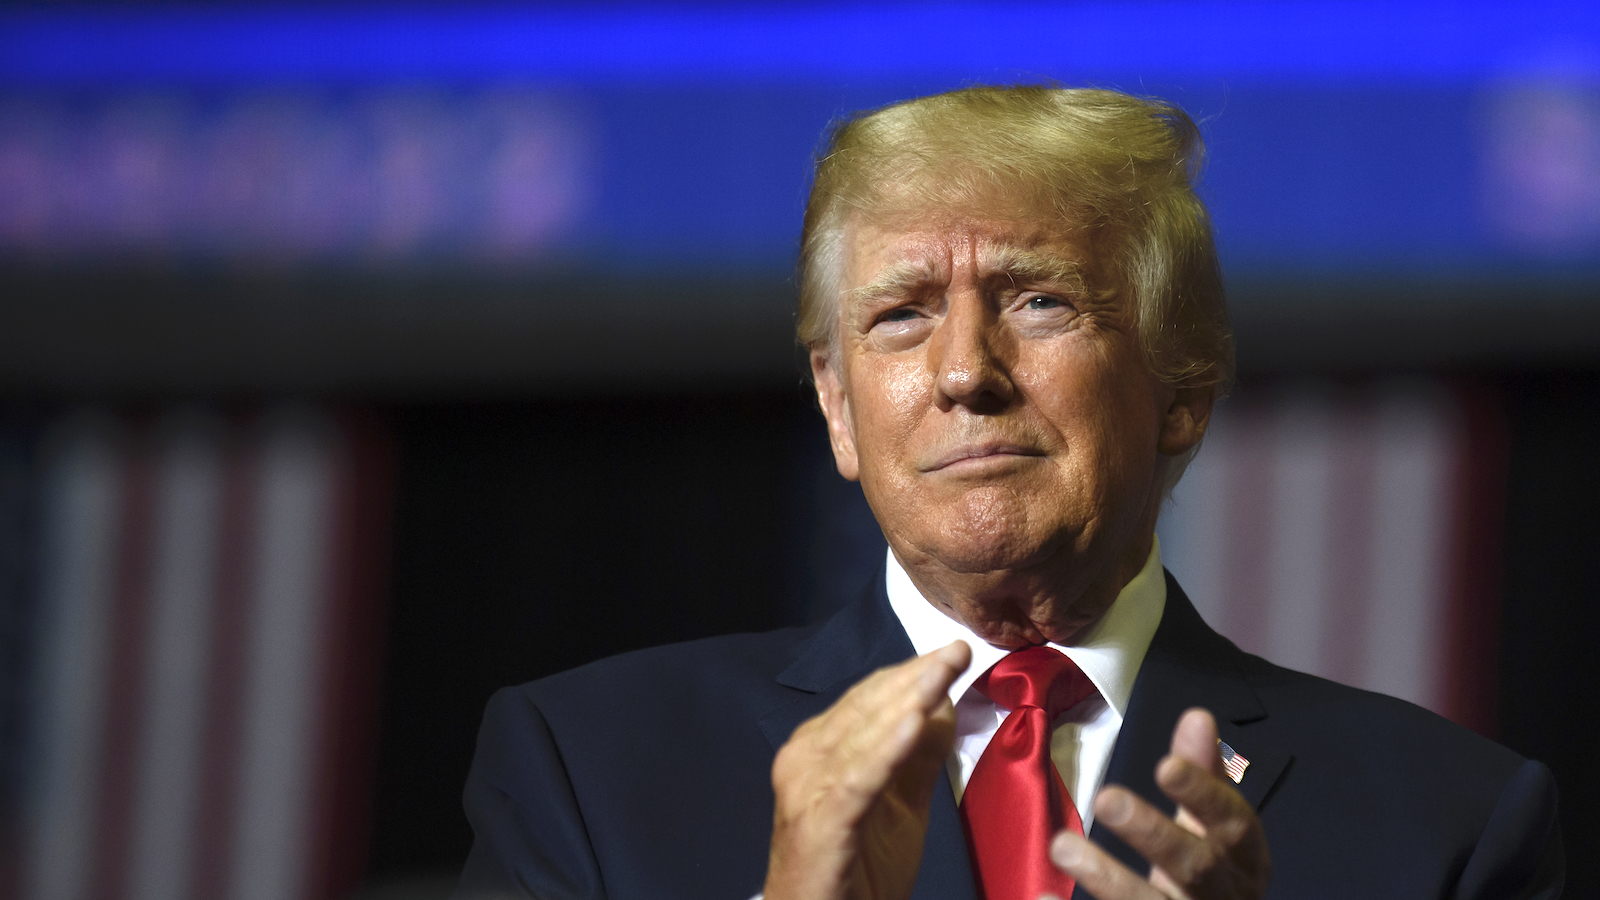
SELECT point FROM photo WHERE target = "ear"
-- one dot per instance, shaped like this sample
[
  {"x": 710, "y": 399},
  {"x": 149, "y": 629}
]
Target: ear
[
  {"x": 1185, "y": 420},
  {"x": 835, "y": 405}
]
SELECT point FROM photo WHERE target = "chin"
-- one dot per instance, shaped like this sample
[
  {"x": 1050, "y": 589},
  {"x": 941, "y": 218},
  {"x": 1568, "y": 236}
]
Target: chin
[
  {"x": 988, "y": 534},
  {"x": 1000, "y": 554}
]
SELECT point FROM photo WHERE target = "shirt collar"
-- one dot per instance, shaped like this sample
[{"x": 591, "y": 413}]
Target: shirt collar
[{"x": 1109, "y": 652}]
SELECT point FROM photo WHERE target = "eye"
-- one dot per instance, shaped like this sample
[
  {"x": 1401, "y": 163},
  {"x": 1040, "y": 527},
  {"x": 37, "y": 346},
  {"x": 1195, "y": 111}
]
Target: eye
[
  {"x": 1044, "y": 301},
  {"x": 899, "y": 314}
]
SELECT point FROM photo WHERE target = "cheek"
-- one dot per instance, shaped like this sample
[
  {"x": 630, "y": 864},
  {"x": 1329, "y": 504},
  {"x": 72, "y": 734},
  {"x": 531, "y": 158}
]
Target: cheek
[
  {"x": 1106, "y": 413},
  {"x": 887, "y": 414}
]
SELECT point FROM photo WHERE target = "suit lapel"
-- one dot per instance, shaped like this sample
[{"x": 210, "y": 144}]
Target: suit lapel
[
  {"x": 862, "y": 637},
  {"x": 1187, "y": 665}
]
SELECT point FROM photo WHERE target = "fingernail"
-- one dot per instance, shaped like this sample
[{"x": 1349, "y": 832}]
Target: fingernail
[
  {"x": 1066, "y": 850},
  {"x": 953, "y": 653},
  {"x": 1115, "y": 808}
]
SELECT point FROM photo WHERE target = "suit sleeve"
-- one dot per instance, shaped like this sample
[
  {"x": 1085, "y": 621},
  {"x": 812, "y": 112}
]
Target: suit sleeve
[
  {"x": 529, "y": 838},
  {"x": 1519, "y": 853}
]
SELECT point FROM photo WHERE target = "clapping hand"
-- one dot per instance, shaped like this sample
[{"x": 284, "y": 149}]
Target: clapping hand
[
  {"x": 1213, "y": 849},
  {"x": 853, "y": 785}
]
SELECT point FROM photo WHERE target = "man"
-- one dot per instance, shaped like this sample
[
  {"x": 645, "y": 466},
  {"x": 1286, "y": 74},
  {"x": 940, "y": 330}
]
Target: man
[{"x": 1017, "y": 332}]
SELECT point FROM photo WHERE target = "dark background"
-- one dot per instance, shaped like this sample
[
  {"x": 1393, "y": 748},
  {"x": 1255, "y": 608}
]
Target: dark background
[
  {"x": 532, "y": 537},
  {"x": 600, "y": 430}
]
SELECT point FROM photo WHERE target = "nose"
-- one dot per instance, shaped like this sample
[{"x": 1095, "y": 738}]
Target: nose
[{"x": 966, "y": 355}]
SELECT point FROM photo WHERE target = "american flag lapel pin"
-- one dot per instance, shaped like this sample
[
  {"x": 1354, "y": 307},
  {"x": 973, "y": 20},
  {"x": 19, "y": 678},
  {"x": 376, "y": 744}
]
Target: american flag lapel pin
[{"x": 1232, "y": 762}]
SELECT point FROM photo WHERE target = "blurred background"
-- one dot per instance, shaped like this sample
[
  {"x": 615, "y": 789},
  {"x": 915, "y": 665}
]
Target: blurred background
[{"x": 358, "y": 360}]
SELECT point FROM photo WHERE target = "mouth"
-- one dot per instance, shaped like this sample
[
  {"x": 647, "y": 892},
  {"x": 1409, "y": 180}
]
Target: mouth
[{"x": 984, "y": 455}]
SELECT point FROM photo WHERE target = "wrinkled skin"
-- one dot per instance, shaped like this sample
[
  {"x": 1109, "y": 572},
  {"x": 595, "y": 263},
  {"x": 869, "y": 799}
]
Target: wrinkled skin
[{"x": 989, "y": 392}]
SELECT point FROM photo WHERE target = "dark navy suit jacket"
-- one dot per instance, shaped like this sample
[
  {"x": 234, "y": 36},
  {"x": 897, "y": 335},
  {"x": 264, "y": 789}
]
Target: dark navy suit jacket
[{"x": 647, "y": 776}]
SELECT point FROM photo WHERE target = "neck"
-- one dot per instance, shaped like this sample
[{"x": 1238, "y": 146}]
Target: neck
[{"x": 1054, "y": 601}]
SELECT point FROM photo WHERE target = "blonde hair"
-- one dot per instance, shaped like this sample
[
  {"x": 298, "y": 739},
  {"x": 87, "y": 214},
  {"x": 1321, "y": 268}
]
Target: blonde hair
[{"x": 1119, "y": 166}]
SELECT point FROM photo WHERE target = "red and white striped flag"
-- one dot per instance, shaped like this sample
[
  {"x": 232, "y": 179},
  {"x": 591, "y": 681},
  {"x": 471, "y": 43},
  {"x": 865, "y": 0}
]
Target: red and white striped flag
[
  {"x": 209, "y": 599},
  {"x": 1349, "y": 531}
]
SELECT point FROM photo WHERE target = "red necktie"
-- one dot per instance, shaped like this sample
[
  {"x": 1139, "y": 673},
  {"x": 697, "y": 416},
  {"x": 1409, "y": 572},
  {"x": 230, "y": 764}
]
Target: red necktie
[{"x": 1015, "y": 801}]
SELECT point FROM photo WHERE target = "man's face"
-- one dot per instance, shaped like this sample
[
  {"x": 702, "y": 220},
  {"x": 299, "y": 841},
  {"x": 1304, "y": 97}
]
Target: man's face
[{"x": 989, "y": 392}]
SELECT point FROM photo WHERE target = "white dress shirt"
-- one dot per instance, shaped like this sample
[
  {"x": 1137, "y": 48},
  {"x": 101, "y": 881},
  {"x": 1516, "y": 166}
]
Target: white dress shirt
[{"x": 1109, "y": 652}]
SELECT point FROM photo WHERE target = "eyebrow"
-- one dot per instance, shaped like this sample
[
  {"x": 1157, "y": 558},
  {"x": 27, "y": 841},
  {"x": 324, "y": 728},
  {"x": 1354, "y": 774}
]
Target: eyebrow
[
  {"x": 1011, "y": 264},
  {"x": 1016, "y": 264},
  {"x": 895, "y": 279}
]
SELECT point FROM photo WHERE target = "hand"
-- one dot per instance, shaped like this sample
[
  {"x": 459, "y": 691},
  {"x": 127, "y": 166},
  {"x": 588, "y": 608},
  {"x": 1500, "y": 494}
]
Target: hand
[
  {"x": 853, "y": 784},
  {"x": 1213, "y": 849}
]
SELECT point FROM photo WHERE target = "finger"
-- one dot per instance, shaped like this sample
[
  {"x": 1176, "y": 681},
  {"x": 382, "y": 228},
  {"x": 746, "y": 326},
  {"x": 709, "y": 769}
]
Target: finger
[
  {"x": 863, "y": 769},
  {"x": 919, "y": 682},
  {"x": 1225, "y": 819},
  {"x": 915, "y": 778},
  {"x": 938, "y": 731},
  {"x": 878, "y": 725},
  {"x": 1210, "y": 798},
  {"x": 924, "y": 736},
  {"x": 1095, "y": 871},
  {"x": 882, "y": 699},
  {"x": 1195, "y": 739},
  {"x": 894, "y": 705},
  {"x": 944, "y": 666},
  {"x": 1186, "y": 857}
]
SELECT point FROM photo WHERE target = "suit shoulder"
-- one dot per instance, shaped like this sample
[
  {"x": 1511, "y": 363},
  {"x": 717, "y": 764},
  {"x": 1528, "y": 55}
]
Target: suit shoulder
[
  {"x": 644, "y": 772},
  {"x": 1366, "y": 725},
  {"x": 1437, "y": 808},
  {"x": 736, "y": 668}
]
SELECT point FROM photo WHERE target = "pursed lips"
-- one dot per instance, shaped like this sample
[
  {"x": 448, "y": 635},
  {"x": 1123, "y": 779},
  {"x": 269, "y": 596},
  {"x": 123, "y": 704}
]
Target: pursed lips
[{"x": 977, "y": 453}]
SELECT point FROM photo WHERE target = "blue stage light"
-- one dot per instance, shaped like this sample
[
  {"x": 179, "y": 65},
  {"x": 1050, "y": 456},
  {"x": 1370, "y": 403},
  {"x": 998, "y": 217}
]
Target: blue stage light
[{"x": 974, "y": 40}]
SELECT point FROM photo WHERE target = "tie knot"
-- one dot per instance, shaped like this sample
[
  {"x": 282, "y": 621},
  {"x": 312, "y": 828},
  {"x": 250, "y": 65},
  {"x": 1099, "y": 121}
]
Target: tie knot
[{"x": 1041, "y": 677}]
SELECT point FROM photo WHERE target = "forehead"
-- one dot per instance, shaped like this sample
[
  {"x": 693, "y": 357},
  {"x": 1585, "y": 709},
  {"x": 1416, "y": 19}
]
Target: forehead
[{"x": 935, "y": 244}]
